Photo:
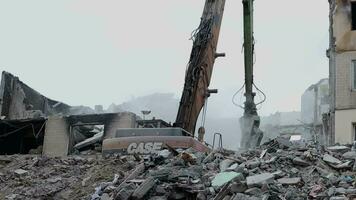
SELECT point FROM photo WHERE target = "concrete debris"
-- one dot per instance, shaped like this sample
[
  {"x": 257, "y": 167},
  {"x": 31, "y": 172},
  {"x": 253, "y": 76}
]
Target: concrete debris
[
  {"x": 283, "y": 173},
  {"x": 338, "y": 148},
  {"x": 351, "y": 155},
  {"x": 260, "y": 179},
  {"x": 289, "y": 181},
  {"x": 223, "y": 178},
  {"x": 20, "y": 172},
  {"x": 300, "y": 162},
  {"x": 331, "y": 160},
  {"x": 89, "y": 141},
  {"x": 144, "y": 188}
]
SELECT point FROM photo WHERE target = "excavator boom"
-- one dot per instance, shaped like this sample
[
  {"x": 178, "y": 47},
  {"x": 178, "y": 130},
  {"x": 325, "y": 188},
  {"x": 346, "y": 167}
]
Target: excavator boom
[
  {"x": 200, "y": 66},
  {"x": 143, "y": 140}
]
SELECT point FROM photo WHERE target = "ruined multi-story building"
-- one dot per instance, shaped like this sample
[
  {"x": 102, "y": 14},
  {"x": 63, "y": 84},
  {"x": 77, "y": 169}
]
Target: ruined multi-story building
[{"x": 342, "y": 58}]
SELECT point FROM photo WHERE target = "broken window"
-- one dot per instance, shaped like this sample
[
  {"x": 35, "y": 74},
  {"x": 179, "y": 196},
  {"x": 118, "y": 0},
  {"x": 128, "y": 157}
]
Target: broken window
[
  {"x": 353, "y": 15},
  {"x": 86, "y": 138},
  {"x": 353, "y": 72}
]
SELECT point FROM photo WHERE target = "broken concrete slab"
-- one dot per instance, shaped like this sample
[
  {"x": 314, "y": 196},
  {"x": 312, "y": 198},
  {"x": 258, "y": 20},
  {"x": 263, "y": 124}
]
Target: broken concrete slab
[
  {"x": 345, "y": 165},
  {"x": 289, "y": 181},
  {"x": 301, "y": 162},
  {"x": 351, "y": 155},
  {"x": 223, "y": 178},
  {"x": 340, "y": 149},
  {"x": 240, "y": 196},
  {"x": 105, "y": 196},
  {"x": 238, "y": 187},
  {"x": 142, "y": 190},
  {"x": 339, "y": 198},
  {"x": 90, "y": 141},
  {"x": 225, "y": 164},
  {"x": 253, "y": 191},
  {"x": 21, "y": 172},
  {"x": 331, "y": 160},
  {"x": 260, "y": 179},
  {"x": 126, "y": 191}
]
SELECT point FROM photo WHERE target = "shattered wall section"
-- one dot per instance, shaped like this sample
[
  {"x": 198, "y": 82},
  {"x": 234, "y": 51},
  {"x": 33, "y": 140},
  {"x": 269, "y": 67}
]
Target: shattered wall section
[
  {"x": 345, "y": 37},
  {"x": 343, "y": 52},
  {"x": 19, "y": 101}
]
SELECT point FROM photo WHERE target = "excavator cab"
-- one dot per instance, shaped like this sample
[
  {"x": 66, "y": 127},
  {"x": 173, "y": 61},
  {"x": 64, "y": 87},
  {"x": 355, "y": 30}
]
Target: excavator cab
[{"x": 150, "y": 137}]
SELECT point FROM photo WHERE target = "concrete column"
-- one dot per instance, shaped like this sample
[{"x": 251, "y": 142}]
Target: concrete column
[
  {"x": 122, "y": 120},
  {"x": 56, "y": 139}
]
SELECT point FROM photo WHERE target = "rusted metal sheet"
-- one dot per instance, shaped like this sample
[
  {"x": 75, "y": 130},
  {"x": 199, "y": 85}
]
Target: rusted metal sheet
[{"x": 200, "y": 67}]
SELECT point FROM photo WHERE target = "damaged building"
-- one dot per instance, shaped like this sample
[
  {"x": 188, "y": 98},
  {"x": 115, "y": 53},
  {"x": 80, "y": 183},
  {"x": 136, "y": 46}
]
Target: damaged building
[
  {"x": 342, "y": 70},
  {"x": 23, "y": 113},
  {"x": 33, "y": 123}
]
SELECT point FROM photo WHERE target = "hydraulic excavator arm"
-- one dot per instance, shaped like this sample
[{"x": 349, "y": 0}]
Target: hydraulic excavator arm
[{"x": 200, "y": 66}]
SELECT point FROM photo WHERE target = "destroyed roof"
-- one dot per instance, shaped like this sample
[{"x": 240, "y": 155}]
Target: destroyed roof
[{"x": 19, "y": 101}]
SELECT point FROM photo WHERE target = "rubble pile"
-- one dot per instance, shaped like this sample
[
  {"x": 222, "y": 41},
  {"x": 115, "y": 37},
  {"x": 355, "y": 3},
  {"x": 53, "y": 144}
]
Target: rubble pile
[
  {"x": 39, "y": 177},
  {"x": 276, "y": 170}
]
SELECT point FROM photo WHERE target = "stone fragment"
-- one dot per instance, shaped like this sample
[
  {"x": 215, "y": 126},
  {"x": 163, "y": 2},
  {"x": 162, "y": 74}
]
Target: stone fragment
[
  {"x": 289, "y": 181},
  {"x": 345, "y": 165},
  {"x": 351, "y": 191},
  {"x": 294, "y": 170},
  {"x": 201, "y": 196},
  {"x": 143, "y": 189},
  {"x": 158, "y": 198},
  {"x": 176, "y": 195},
  {"x": 21, "y": 172},
  {"x": 227, "y": 197},
  {"x": 224, "y": 177},
  {"x": 233, "y": 167},
  {"x": 258, "y": 180},
  {"x": 338, "y": 148},
  {"x": 338, "y": 198},
  {"x": 85, "y": 180},
  {"x": 126, "y": 192},
  {"x": 315, "y": 191},
  {"x": 105, "y": 196},
  {"x": 54, "y": 180},
  {"x": 331, "y": 160},
  {"x": 253, "y": 164},
  {"x": 253, "y": 191},
  {"x": 283, "y": 142},
  {"x": 263, "y": 153},
  {"x": 272, "y": 160},
  {"x": 164, "y": 153},
  {"x": 240, "y": 196},
  {"x": 225, "y": 164},
  {"x": 300, "y": 162},
  {"x": 11, "y": 197},
  {"x": 351, "y": 155},
  {"x": 238, "y": 187},
  {"x": 160, "y": 189},
  {"x": 278, "y": 174}
]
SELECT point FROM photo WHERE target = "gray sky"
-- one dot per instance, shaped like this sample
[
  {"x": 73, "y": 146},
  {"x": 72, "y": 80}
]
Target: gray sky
[{"x": 87, "y": 52}]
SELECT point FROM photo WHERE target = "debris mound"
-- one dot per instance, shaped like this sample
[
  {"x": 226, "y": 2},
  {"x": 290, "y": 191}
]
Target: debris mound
[{"x": 278, "y": 170}]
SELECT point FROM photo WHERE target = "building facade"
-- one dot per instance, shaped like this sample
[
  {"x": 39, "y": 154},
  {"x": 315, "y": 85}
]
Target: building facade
[{"x": 342, "y": 75}]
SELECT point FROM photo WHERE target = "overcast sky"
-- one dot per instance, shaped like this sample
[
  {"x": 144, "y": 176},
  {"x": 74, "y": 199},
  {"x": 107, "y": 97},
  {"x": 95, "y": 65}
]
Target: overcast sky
[{"x": 88, "y": 52}]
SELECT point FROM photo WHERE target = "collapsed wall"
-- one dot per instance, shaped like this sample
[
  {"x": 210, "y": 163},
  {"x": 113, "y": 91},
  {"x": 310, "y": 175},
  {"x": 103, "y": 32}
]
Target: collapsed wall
[{"x": 19, "y": 101}]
